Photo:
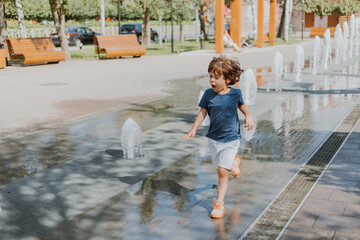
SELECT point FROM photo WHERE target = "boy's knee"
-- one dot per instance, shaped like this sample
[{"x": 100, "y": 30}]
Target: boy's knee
[{"x": 222, "y": 172}]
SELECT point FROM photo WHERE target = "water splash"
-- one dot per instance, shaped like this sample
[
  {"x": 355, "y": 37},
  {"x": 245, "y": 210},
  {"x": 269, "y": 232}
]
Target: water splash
[
  {"x": 248, "y": 86},
  {"x": 277, "y": 68},
  {"x": 131, "y": 140},
  {"x": 345, "y": 41},
  {"x": 315, "y": 55},
  {"x": 357, "y": 28},
  {"x": 338, "y": 36},
  {"x": 206, "y": 121},
  {"x": 327, "y": 50},
  {"x": 245, "y": 133},
  {"x": 299, "y": 62},
  {"x": 352, "y": 35}
]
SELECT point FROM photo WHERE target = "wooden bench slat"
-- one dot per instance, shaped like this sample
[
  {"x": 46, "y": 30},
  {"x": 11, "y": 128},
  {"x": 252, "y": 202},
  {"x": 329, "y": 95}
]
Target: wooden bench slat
[
  {"x": 34, "y": 50},
  {"x": 118, "y": 45},
  {"x": 319, "y": 31}
]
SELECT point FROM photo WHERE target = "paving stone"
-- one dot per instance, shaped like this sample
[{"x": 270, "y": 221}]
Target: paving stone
[
  {"x": 342, "y": 175},
  {"x": 352, "y": 210},
  {"x": 346, "y": 158},
  {"x": 345, "y": 196},
  {"x": 338, "y": 223},
  {"x": 349, "y": 152},
  {"x": 345, "y": 166},
  {"x": 320, "y": 193},
  {"x": 357, "y": 186},
  {"x": 304, "y": 218},
  {"x": 296, "y": 232},
  {"x": 324, "y": 206},
  {"x": 336, "y": 184},
  {"x": 339, "y": 235},
  {"x": 353, "y": 146}
]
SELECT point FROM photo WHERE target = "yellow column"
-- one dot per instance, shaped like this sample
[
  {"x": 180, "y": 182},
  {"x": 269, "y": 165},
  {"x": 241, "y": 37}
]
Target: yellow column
[
  {"x": 235, "y": 24},
  {"x": 272, "y": 24},
  {"x": 260, "y": 24},
  {"x": 219, "y": 26}
]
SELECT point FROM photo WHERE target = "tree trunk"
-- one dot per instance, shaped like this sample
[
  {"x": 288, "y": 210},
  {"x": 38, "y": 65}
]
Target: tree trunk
[
  {"x": 182, "y": 39},
  {"x": 20, "y": 18},
  {"x": 59, "y": 20},
  {"x": 3, "y": 33},
  {"x": 288, "y": 12},
  {"x": 119, "y": 15},
  {"x": 146, "y": 32},
  {"x": 102, "y": 16},
  {"x": 202, "y": 21},
  {"x": 281, "y": 25}
]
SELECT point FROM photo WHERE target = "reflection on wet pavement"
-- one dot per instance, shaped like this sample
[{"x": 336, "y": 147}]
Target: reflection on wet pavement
[
  {"x": 177, "y": 199},
  {"x": 26, "y": 156},
  {"x": 168, "y": 200}
]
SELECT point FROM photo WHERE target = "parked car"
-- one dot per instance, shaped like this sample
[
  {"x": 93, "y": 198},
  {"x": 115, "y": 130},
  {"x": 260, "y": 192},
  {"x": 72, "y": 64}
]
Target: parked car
[
  {"x": 76, "y": 36},
  {"x": 136, "y": 28}
]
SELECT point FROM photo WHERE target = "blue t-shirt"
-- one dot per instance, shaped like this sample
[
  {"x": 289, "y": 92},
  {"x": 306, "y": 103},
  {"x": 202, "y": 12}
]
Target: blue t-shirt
[{"x": 222, "y": 110}]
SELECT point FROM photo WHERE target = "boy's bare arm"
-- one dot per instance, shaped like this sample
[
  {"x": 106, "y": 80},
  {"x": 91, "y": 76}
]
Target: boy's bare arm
[
  {"x": 249, "y": 122},
  {"x": 199, "y": 119}
]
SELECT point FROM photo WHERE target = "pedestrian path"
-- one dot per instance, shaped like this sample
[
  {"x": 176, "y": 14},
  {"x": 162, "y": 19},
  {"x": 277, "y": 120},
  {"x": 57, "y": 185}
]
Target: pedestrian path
[{"x": 332, "y": 209}]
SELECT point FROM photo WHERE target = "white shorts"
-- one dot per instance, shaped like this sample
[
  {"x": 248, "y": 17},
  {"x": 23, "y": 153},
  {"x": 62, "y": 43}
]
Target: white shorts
[{"x": 223, "y": 153}]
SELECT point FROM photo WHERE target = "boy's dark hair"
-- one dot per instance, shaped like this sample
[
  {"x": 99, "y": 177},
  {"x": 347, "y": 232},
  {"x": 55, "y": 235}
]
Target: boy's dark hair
[{"x": 229, "y": 68}]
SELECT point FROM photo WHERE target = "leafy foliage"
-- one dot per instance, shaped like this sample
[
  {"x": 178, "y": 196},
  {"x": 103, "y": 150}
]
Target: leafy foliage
[
  {"x": 328, "y": 7},
  {"x": 89, "y": 9},
  {"x": 320, "y": 8},
  {"x": 347, "y": 7}
]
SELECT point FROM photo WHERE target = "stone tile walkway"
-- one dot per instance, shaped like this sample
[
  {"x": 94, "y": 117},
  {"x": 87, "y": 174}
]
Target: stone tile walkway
[{"x": 332, "y": 210}]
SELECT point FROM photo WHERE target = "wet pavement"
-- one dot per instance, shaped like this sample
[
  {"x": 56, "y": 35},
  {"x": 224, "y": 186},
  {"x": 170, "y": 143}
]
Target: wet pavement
[{"x": 71, "y": 182}]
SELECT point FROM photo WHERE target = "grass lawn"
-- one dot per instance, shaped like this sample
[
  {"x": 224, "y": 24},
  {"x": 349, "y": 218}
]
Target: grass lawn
[
  {"x": 155, "y": 49},
  {"x": 152, "y": 50}
]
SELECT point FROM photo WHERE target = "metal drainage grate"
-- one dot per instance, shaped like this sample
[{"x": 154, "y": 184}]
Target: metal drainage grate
[{"x": 274, "y": 219}]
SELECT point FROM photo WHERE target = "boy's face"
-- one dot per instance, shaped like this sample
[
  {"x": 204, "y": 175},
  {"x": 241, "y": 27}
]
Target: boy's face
[{"x": 217, "y": 82}]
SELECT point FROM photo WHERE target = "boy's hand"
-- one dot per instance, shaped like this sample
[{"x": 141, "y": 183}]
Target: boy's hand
[
  {"x": 191, "y": 134},
  {"x": 249, "y": 123}
]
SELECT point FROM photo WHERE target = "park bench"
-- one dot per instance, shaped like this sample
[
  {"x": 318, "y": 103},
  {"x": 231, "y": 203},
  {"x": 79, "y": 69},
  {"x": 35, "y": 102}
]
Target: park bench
[
  {"x": 319, "y": 31},
  {"x": 33, "y": 50},
  {"x": 2, "y": 58},
  {"x": 118, "y": 46}
]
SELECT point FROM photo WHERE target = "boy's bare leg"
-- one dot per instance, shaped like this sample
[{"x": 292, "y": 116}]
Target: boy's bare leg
[
  {"x": 236, "y": 167},
  {"x": 223, "y": 183},
  {"x": 219, "y": 210}
]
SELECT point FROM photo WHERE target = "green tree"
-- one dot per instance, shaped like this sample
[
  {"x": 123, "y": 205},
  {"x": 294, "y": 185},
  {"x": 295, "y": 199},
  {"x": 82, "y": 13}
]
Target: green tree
[
  {"x": 347, "y": 7},
  {"x": 183, "y": 10},
  {"x": 20, "y": 18},
  {"x": 320, "y": 8},
  {"x": 3, "y": 33},
  {"x": 58, "y": 12}
]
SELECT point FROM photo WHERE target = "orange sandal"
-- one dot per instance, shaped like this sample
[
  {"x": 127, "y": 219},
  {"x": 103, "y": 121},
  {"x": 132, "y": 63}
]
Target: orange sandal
[
  {"x": 219, "y": 209},
  {"x": 236, "y": 168}
]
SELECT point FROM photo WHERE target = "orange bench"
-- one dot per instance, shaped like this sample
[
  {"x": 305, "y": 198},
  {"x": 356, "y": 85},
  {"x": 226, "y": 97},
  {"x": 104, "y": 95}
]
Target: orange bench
[
  {"x": 2, "y": 58},
  {"x": 319, "y": 31},
  {"x": 33, "y": 50},
  {"x": 118, "y": 46}
]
